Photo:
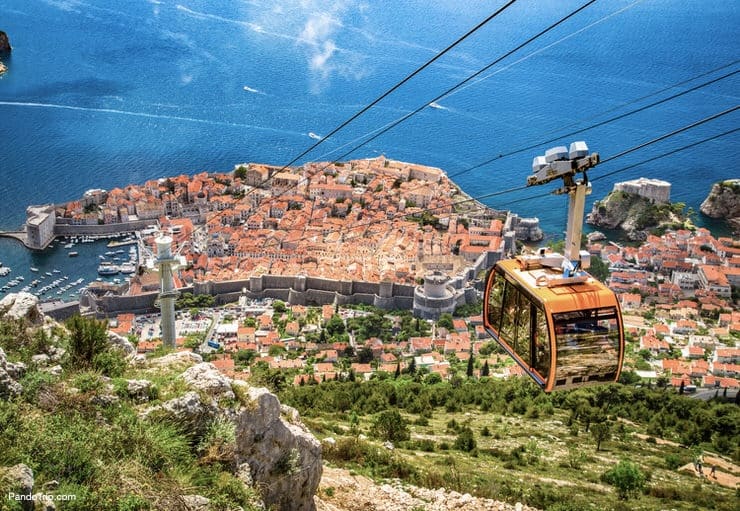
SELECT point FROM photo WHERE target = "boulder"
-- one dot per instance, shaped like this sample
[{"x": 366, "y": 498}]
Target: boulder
[
  {"x": 284, "y": 457},
  {"x": 176, "y": 360},
  {"x": 9, "y": 373},
  {"x": 139, "y": 390},
  {"x": 187, "y": 411},
  {"x": 204, "y": 377},
  {"x": 120, "y": 342},
  {"x": 196, "y": 502},
  {"x": 21, "y": 306},
  {"x": 19, "y": 480}
]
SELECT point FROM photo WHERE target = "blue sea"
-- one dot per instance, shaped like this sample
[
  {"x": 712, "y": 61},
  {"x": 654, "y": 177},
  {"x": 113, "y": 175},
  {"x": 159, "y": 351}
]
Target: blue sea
[{"x": 103, "y": 93}]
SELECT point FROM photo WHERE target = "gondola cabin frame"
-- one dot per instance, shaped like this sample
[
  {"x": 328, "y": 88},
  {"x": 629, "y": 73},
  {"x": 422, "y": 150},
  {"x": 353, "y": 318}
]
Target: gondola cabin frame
[{"x": 563, "y": 336}]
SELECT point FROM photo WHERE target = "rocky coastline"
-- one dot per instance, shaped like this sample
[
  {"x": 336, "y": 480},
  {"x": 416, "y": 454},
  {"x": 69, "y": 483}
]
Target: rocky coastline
[{"x": 723, "y": 202}]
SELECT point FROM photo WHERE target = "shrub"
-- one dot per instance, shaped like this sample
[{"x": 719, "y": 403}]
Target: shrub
[
  {"x": 465, "y": 440},
  {"x": 626, "y": 477},
  {"x": 389, "y": 425}
]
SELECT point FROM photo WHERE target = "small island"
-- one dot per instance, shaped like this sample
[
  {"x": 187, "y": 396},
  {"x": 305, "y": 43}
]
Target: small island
[
  {"x": 5, "y": 49},
  {"x": 638, "y": 207}
]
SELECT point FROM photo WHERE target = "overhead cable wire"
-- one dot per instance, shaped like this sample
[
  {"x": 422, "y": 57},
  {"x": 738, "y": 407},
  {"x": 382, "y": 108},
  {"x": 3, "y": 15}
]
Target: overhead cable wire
[
  {"x": 596, "y": 125},
  {"x": 621, "y": 154},
  {"x": 466, "y": 80},
  {"x": 403, "y": 81},
  {"x": 459, "y": 84},
  {"x": 395, "y": 87}
]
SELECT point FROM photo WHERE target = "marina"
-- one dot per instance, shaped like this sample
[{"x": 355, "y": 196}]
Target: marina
[{"x": 62, "y": 271}]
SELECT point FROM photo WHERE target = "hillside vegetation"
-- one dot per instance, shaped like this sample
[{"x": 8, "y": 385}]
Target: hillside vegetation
[{"x": 605, "y": 447}]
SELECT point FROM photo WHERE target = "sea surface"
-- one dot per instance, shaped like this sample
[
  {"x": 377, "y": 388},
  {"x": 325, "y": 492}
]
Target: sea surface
[{"x": 104, "y": 93}]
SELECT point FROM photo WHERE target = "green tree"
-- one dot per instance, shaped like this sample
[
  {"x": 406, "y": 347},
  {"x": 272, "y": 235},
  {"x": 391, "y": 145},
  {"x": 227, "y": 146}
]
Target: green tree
[
  {"x": 485, "y": 371},
  {"x": 279, "y": 306},
  {"x": 601, "y": 431},
  {"x": 389, "y": 425},
  {"x": 626, "y": 477},
  {"x": 471, "y": 365},
  {"x": 599, "y": 269},
  {"x": 240, "y": 172},
  {"x": 335, "y": 325},
  {"x": 445, "y": 321},
  {"x": 365, "y": 355},
  {"x": 398, "y": 370},
  {"x": 88, "y": 337}
]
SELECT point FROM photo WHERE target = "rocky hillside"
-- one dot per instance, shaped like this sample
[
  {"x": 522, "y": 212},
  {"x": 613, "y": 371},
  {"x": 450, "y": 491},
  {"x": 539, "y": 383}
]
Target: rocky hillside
[
  {"x": 724, "y": 202},
  {"x": 81, "y": 414},
  {"x": 635, "y": 215}
]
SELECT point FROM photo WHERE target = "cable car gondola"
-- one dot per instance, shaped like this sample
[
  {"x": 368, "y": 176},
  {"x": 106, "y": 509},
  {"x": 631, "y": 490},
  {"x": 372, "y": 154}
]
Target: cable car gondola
[{"x": 562, "y": 326}]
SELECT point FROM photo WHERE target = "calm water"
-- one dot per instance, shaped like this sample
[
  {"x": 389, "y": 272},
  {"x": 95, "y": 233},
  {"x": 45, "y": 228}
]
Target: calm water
[{"x": 104, "y": 93}]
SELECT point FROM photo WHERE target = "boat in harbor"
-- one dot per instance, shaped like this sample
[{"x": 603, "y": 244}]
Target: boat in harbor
[
  {"x": 127, "y": 268},
  {"x": 34, "y": 269},
  {"x": 107, "y": 268},
  {"x": 73, "y": 254}
]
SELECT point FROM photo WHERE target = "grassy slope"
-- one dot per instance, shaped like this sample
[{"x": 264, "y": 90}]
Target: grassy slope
[{"x": 537, "y": 461}]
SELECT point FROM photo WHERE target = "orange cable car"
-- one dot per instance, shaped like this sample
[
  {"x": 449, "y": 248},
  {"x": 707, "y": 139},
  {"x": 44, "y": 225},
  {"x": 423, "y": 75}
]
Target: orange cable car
[
  {"x": 562, "y": 336},
  {"x": 563, "y": 327}
]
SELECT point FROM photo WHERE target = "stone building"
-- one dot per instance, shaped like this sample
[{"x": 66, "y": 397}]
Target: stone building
[
  {"x": 40, "y": 221},
  {"x": 653, "y": 189}
]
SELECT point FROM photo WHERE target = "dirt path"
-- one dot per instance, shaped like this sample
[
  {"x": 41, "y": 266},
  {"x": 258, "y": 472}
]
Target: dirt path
[
  {"x": 341, "y": 491},
  {"x": 724, "y": 475}
]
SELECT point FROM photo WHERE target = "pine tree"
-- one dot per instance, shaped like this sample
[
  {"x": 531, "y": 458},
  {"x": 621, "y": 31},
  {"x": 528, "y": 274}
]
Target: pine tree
[
  {"x": 412, "y": 366},
  {"x": 486, "y": 371},
  {"x": 398, "y": 370},
  {"x": 471, "y": 363}
]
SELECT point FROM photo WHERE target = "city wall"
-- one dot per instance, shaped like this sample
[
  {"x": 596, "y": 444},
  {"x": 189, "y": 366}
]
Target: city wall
[
  {"x": 62, "y": 229},
  {"x": 294, "y": 289}
]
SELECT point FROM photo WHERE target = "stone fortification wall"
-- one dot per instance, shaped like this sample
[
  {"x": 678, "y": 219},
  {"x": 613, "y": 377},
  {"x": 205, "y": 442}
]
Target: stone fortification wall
[
  {"x": 62, "y": 229},
  {"x": 60, "y": 311},
  {"x": 293, "y": 289},
  {"x": 654, "y": 189}
]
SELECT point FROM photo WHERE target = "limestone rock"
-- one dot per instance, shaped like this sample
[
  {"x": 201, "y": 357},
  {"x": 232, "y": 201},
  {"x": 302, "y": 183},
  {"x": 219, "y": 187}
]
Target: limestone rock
[
  {"x": 21, "y": 306},
  {"x": 206, "y": 378},
  {"x": 9, "y": 373},
  {"x": 187, "y": 411},
  {"x": 41, "y": 360},
  {"x": 196, "y": 502},
  {"x": 174, "y": 360},
  {"x": 284, "y": 457},
  {"x": 120, "y": 342},
  {"x": 139, "y": 390},
  {"x": 19, "y": 479}
]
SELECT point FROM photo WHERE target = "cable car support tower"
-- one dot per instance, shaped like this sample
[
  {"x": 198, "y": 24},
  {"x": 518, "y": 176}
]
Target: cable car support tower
[
  {"x": 165, "y": 263},
  {"x": 565, "y": 163}
]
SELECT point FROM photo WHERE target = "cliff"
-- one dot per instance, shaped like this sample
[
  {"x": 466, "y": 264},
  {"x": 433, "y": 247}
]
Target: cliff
[
  {"x": 723, "y": 201},
  {"x": 634, "y": 214}
]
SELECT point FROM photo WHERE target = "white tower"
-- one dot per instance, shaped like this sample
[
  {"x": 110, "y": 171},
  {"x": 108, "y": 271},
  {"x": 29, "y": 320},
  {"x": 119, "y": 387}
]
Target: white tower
[{"x": 165, "y": 264}]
